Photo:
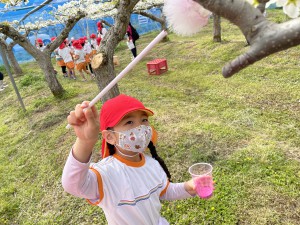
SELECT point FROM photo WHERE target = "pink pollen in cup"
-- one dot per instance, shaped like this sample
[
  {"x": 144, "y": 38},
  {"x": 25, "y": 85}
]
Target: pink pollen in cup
[
  {"x": 204, "y": 186},
  {"x": 205, "y": 192}
]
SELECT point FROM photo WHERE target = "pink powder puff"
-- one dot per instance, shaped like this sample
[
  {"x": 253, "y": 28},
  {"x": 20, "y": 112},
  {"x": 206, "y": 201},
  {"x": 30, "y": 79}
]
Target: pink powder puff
[{"x": 185, "y": 17}]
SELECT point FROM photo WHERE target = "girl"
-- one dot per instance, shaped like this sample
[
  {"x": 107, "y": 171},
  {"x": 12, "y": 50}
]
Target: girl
[
  {"x": 98, "y": 39},
  {"x": 87, "y": 48},
  {"x": 93, "y": 41},
  {"x": 59, "y": 61},
  {"x": 40, "y": 44},
  {"x": 79, "y": 57},
  {"x": 66, "y": 54},
  {"x": 127, "y": 184}
]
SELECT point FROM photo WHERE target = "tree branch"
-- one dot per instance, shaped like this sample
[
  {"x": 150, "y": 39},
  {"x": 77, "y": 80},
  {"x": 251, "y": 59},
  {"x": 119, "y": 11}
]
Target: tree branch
[
  {"x": 35, "y": 9},
  {"x": 22, "y": 40},
  {"x": 264, "y": 37},
  {"x": 70, "y": 23},
  {"x": 106, "y": 23},
  {"x": 149, "y": 15}
]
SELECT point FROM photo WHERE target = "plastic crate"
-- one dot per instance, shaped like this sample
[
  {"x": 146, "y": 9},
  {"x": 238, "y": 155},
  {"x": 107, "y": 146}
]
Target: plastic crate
[{"x": 157, "y": 66}]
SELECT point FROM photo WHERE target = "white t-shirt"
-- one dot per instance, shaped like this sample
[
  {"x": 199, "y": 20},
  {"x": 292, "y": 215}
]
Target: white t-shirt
[
  {"x": 104, "y": 31},
  {"x": 65, "y": 53},
  {"x": 81, "y": 55},
  {"x": 128, "y": 192},
  {"x": 87, "y": 48},
  {"x": 94, "y": 43},
  {"x": 42, "y": 48}
]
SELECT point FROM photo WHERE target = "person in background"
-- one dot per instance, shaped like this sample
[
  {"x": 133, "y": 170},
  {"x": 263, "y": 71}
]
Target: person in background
[
  {"x": 79, "y": 57},
  {"x": 87, "y": 48},
  {"x": 2, "y": 84},
  {"x": 132, "y": 37},
  {"x": 127, "y": 183},
  {"x": 93, "y": 41},
  {"x": 59, "y": 61},
  {"x": 65, "y": 53},
  {"x": 98, "y": 39},
  {"x": 101, "y": 29},
  {"x": 40, "y": 44}
]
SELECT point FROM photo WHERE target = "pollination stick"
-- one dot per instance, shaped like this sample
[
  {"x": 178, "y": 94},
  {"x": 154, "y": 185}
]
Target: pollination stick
[{"x": 157, "y": 39}]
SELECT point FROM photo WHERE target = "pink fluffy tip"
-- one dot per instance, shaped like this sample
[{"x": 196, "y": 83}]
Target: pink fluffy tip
[{"x": 185, "y": 17}]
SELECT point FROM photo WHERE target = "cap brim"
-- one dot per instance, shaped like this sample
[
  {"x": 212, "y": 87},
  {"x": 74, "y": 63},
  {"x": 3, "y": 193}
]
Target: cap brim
[{"x": 147, "y": 111}]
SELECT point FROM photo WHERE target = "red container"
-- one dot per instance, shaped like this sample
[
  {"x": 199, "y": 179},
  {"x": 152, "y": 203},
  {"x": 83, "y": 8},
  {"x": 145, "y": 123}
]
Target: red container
[{"x": 157, "y": 66}]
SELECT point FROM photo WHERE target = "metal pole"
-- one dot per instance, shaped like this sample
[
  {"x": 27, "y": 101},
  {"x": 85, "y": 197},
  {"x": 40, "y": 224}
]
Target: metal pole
[{"x": 6, "y": 64}]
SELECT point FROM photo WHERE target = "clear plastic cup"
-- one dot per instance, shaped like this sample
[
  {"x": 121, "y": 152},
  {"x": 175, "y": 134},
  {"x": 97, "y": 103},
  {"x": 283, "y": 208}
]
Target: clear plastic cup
[{"x": 202, "y": 177}]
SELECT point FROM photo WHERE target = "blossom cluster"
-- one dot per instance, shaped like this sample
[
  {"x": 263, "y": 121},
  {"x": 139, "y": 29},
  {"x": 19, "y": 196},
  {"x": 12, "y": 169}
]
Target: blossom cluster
[
  {"x": 92, "y": 9},
  {"x": 12, "y": 3},
  {"x": 290, "y": 7}
]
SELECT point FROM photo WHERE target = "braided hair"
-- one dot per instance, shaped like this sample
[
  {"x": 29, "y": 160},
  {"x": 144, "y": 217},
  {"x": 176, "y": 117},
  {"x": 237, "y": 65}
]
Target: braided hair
[
  {"x": 160, "y": 160},
  {"x": 153, "y": 152}
]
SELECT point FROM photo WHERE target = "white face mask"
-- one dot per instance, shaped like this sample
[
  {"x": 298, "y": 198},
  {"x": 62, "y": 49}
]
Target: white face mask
[{"x": 136, "y": 139}]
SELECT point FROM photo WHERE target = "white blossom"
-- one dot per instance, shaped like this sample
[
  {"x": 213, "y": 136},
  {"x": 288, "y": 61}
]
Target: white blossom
[{"x": 290, "y": 7}]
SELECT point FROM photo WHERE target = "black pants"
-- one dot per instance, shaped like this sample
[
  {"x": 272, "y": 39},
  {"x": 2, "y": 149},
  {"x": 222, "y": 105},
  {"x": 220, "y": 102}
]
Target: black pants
[
  {"x": 133, "y": 51},
  {"x": 64, "y": 69},
  {"x": 1, "y": 76},
  {"x": 89, "y": 66},
  {"x": 91, "y": 69}
]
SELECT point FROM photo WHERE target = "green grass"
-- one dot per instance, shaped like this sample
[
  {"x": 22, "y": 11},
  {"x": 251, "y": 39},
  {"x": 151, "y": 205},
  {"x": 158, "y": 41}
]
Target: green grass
[{"x": 247, "y": 126}]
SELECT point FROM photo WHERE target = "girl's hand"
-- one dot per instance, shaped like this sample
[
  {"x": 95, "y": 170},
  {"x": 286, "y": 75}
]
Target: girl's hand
[
  {"x": 189, "y": 186},
  {"x": 205, "y": 181},
  {"x": 85, "y": 122}
]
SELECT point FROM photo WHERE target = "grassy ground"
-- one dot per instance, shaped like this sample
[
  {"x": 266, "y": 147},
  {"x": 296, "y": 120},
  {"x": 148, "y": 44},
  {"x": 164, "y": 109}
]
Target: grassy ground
[{"x": 247, "y": 126}]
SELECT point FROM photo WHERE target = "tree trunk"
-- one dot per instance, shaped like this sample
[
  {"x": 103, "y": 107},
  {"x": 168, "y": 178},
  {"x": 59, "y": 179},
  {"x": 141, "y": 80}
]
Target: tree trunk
[
  {"x": 13, "y": 62},
  {"x": 105, "y": 73},
  {"x": 217, "y": 28},
  {"x": 45, "y": 64}
]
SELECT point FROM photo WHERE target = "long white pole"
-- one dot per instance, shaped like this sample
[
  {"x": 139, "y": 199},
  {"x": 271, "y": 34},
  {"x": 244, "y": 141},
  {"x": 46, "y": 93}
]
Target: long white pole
[{"x": 158, "y": 38}]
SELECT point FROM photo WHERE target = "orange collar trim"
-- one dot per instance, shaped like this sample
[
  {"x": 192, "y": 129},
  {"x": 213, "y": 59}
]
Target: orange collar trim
[{"x": 130, "y": 163}]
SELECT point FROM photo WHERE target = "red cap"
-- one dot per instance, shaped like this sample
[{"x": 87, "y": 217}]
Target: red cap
[
  {"x": 39, "y": 40},
  {"x": 53, "y": 38},
  {"x": 98, "y": 39},
  {"x": 93, "y": 36},
  {"x": 114, "y": 110},
  {"x": 77, "y": 44},
  {"x": 62, "y": 45},
  {"x": 99, "y": 25}
]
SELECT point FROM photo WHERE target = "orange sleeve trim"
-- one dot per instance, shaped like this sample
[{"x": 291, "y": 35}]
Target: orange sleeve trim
[
  {"x": 165, "y": 190},
  {"x": 100, "y": 187}
]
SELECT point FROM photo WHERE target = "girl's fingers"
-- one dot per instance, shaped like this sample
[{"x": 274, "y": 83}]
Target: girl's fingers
[
  {"x": 72, "y": 120},
  {"x": 82, "y": 113},
  {"x": 95, "y": 112},
  {"x": 79, "y": 113},
  {"x": 85, "y": 104}
]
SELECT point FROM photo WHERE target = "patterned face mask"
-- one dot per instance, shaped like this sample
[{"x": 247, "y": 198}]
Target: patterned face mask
[{"x": 136, "y": 139}]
